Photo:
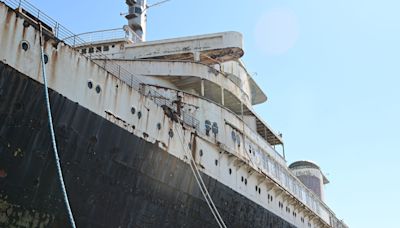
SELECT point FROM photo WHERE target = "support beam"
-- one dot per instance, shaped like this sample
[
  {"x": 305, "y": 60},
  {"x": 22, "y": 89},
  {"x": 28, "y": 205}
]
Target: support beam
[
  {"x": 278, "y": 192},
  {"x": 202, "y": 87},
  {"x": 222, "y": 96},
  {"x": 270, "y": 186},
  {"x": 261, "y": 180}
]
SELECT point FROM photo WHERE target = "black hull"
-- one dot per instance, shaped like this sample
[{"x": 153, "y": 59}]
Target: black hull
[{"x": 113, "y": 178}]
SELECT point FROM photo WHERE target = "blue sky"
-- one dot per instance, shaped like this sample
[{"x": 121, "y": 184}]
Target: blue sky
[{"x": 330, "y": 70}]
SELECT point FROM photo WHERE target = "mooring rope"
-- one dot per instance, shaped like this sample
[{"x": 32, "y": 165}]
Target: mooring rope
[
  {"x": 53, "y": 137},
  {"x": 200, "y": 182}
]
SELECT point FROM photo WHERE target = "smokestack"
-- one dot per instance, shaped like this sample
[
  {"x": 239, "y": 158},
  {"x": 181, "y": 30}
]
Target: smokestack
[
  {"x": 137, "y": 17},
  {"x": 310, "y": 174}
]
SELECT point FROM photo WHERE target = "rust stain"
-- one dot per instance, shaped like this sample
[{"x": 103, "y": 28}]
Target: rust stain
[
  {"x": 24, "y": 30},
  {"x": 3, "y": 173},
  {"x": 8, "y": 17},
  {"x": 53, "y": 60}
]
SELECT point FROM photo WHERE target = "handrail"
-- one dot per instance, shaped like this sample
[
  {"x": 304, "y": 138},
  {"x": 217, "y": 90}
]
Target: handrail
[
  {"x": 69, "y": 38},
  {"x": 103, "y": 35}
]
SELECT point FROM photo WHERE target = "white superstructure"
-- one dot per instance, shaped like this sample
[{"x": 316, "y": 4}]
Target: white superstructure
[{"x": 202, "y": 82}]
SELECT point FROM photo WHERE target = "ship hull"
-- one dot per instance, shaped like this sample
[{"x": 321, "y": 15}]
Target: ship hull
[{"x": 113, "y": 177}]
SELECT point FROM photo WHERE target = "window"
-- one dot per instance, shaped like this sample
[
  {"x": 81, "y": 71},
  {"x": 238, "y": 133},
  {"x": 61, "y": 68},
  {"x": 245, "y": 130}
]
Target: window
[
  {"x": 138, "y": 10},
  {"x": 106, "y": 48},
  {"x": 84, "y": 51}
]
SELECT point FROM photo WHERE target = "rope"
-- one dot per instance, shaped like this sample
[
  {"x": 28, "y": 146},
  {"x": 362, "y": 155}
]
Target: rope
[
  {"x": 200, "y": 182},
  {"x": 53, "y": 137}
]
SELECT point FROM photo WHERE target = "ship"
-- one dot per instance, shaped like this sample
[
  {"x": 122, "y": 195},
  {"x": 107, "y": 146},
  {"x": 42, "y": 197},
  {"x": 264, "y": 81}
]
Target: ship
[{"x": 148, "y": 133}]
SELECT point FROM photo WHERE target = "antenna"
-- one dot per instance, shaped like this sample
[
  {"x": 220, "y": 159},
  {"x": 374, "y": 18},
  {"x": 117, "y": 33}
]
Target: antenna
[{"x": 156, "y": 4}]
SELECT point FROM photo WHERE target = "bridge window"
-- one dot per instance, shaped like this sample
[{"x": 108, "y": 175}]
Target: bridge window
[{"x": 138, "y": 10}]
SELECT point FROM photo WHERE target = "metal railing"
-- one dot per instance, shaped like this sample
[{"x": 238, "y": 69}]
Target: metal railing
[
  {"x": 61, "y": 33},
  {"x": 125, "y": 33}
]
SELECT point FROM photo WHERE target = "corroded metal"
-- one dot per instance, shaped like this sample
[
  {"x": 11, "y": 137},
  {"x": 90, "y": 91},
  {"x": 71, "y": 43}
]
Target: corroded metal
[{"x": 114, "y": 178}]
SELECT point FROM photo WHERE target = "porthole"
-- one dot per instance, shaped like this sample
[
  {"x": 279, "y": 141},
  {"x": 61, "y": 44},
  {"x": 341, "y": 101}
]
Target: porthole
[
  {"x": 170, "y": 133},
  {"x": 242, "y": 179},
  {"x": 133, "y": 110},
  {"x": 214, "y": 128},
  {"x": 201, "y": 153},
  {"x": 259, "y": 190},
  {"x": 25, "y": 45},
  {"x": 233, "y": 136},
  {"x": 216, "y": 162},
  {"x": 230, "y": 171},
  {"x": 139, "y": 114},
  {"x": 159, "y": 126},
  {"x": 45, "y": 58},
  {"x": 98, "y": 89},
  {"x": 90, "y": 84},
  {"x": 245, "y": 181},
  {"x": 256, "y": 187},
  {"x": 190, "y": 146}
]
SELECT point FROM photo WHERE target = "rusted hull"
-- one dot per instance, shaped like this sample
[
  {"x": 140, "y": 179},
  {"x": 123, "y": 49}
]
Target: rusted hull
[{"x": 113, "y": 178}]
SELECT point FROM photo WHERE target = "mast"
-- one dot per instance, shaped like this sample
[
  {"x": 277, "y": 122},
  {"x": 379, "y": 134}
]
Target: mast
[{"x": 137, "y": 17}]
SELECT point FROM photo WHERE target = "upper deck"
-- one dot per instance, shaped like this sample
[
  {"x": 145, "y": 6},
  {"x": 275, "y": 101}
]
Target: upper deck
[
  {"x": 185, "y": 75},
  {"x": 208, "y": 66}
]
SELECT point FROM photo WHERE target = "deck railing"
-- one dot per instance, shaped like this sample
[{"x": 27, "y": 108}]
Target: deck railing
[
  {"x": 61, "y": 33},
  {"x": 125, "y": 33}
]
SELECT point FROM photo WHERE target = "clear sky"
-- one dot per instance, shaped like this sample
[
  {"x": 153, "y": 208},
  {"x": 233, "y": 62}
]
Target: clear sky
[{"x": 329, "y": 68}]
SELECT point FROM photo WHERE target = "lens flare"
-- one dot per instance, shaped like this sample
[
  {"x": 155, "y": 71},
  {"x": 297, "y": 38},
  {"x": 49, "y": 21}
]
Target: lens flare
[{"x": 277, "y": 31}]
